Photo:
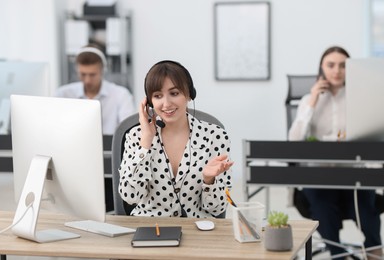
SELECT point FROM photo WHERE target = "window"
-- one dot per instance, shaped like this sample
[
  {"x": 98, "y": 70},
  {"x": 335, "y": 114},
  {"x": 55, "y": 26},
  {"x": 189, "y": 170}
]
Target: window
[{"x": 377, "y": 28}]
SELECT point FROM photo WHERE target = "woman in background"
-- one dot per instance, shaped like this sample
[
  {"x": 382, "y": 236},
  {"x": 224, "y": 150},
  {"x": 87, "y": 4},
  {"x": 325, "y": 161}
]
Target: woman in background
[{"x": 321, "y": 115}]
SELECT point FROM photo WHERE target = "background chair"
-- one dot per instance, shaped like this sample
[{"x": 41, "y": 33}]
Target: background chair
[
  {"x": 118, "y": 140},
  {"x": 298, "y": 86}
]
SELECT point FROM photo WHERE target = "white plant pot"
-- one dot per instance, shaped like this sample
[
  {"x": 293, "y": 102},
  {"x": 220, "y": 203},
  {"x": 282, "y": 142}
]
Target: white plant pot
[{"x": 278, "y": 239}]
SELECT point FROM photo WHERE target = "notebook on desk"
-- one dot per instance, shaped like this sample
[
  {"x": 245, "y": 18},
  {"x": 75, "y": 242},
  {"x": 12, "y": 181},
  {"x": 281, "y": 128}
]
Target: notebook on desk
[
  {"x": 165, "y": 236},
  {"x": 101, "y": 228}
]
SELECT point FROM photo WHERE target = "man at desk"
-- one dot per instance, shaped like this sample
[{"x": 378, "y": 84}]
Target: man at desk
[
  {"x": 116, "y": 101},
  {"x": 321, "y": 115}
]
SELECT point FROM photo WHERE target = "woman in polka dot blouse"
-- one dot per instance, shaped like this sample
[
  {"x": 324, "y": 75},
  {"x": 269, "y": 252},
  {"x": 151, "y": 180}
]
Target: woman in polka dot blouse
[{"x": 178, "y": 166}]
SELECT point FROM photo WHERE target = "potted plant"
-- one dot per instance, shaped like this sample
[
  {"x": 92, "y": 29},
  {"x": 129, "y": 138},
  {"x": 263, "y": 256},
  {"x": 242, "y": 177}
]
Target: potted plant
[{"x": 278, "y": 233}]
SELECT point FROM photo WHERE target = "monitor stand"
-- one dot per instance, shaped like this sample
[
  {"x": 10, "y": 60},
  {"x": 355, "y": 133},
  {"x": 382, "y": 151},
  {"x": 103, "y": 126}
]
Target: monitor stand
[{"x": 27, "y": 212}]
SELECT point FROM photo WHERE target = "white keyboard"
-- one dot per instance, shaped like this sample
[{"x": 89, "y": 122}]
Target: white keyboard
[{"x": 101, "y": 228}]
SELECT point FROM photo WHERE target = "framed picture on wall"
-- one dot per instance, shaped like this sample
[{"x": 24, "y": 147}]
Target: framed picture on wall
[{"x": 242, "y": 41}]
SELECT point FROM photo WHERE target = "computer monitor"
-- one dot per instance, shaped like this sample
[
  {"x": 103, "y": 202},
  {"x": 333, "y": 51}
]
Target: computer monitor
[
  {"x": 57, "y": 161},
  {"x": 21, "y": 78},
  {"x": 365, "y": 99}
]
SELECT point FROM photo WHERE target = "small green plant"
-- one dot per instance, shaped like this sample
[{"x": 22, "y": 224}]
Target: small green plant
[
  {"x": 277, "y": 219},
  {"x": 312, "y": 139}
]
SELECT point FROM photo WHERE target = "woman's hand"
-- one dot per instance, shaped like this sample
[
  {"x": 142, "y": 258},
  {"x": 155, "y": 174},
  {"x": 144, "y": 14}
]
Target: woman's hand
[
  {"x": 215, "y": 167},
  {"x": 320, "y": 87},
  {"x": 148, "y": 129}
]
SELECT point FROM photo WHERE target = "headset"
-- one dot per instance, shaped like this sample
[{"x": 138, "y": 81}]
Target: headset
[
  {"x": 97, "y": 52},
  {"x": 191, "y": 88}
]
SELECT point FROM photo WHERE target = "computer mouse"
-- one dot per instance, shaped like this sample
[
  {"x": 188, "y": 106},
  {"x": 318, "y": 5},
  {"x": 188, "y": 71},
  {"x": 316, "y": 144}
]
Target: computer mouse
[{"x": 205, "y": 225}]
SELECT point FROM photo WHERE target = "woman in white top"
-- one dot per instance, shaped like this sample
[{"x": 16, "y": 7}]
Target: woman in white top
[
  {"x": 174, "y": 165},
  {"x": 321, "y": 116}
]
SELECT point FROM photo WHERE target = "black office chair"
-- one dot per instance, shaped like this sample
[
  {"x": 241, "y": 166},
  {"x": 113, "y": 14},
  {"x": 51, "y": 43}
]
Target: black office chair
[
  {"x": 120, "y": 206},
  {"x": 298, "y": 86}
]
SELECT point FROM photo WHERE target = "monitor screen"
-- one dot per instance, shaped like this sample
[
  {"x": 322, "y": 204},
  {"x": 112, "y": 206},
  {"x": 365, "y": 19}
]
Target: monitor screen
[
  {"x": 21, "y": 78},
  {"x": 66, "y": 135},
  {"x": 364, "y": 99}
]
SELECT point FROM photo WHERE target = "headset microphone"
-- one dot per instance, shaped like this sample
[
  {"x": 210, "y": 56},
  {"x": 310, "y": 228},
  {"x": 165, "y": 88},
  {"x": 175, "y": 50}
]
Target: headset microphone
[{"x": 160, "y": 123}]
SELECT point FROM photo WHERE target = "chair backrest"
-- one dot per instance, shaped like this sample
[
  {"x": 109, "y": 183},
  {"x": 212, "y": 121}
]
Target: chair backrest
[
  {"x": 120, "y": 206},
  {"x": 298, "y": 86}
]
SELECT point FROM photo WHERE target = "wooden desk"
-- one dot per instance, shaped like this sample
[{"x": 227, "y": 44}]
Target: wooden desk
[
  {"x": 6, "y": 153},
  {"x": 216, "y": 244}
]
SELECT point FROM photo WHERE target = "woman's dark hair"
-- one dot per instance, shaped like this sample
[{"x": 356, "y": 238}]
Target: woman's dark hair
[
  {"x": 328, "y": 51},
  {"x": 179, "y": 76}
]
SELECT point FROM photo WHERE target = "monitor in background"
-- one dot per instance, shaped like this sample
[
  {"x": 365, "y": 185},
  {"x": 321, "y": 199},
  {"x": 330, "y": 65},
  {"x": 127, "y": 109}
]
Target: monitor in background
[
  {"x": 21, "y": 78},
  {"x": 57, "y": 162},
  {"x": 365, "y": 99}
]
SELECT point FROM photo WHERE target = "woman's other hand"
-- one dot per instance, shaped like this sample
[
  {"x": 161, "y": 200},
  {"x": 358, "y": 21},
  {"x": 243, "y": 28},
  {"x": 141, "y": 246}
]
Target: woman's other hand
[{"x": 215, "y": 167}]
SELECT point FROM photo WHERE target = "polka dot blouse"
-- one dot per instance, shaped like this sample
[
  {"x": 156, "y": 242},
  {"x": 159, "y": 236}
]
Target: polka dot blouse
[{"x": 147, "y": 181}]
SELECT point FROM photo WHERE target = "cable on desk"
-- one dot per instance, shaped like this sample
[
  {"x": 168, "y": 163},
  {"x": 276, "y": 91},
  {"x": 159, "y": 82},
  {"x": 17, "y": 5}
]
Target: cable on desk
[{"x": 17, "y": 222}]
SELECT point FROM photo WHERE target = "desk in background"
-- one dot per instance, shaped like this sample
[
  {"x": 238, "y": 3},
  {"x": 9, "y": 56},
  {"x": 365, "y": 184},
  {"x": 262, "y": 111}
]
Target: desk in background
[
  {"x": 216, "y": 244},
  {"x": 6, "y": 165},
  {"x": 269, "y": 163},
  {"x": 6, "y": 153}
]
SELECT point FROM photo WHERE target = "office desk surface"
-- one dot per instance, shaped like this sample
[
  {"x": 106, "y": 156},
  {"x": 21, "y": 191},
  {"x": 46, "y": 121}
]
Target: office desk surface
[{"x": 216, "y": 244}]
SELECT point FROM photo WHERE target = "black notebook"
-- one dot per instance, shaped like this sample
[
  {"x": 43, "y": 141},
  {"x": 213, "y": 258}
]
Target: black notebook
[{"x": 148, "y": 237}]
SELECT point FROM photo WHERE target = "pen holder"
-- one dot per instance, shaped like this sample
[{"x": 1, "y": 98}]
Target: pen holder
[{"x": 247, "y": 221}]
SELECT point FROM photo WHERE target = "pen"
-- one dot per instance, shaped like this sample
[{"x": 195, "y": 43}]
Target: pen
[
  {"x": 157, "y": 230},
  {"x": 229, "y": 198}
]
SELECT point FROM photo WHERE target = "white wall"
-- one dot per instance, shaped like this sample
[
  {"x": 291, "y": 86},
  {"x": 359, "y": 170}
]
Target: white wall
[
  {"x": 300, "y": 31},
  {"x": 183, "y": 30},
  {"x": 29, "y": 32}
]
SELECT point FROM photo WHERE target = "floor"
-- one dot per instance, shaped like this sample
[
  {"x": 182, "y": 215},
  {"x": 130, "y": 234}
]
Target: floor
[{"x": 278, "y": 200}]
